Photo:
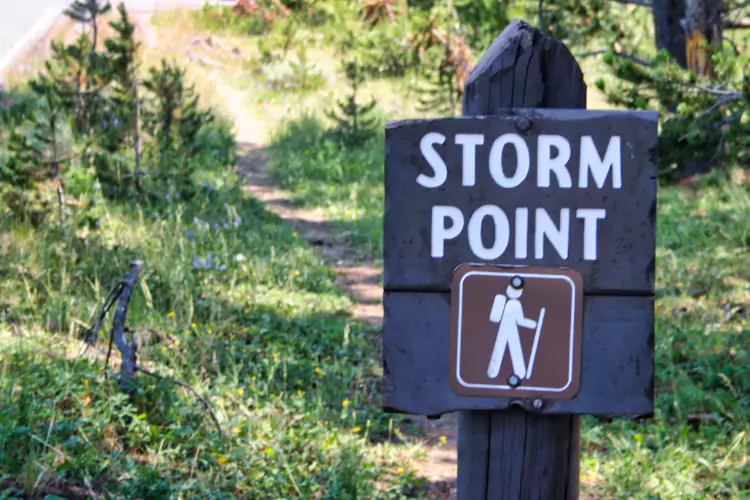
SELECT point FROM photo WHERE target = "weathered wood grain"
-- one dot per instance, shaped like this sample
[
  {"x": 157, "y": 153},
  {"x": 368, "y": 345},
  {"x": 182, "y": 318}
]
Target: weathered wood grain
[
  {"x": 617, "y": 366},
  {"x": 552, "y": 79},
  {"x": 626, "y": 238}
]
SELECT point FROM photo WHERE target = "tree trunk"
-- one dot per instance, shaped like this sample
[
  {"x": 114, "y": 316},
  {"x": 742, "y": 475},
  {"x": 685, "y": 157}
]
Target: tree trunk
[
  {"x": 669, "y": 34},
  {"x": 704, "y": 21}
]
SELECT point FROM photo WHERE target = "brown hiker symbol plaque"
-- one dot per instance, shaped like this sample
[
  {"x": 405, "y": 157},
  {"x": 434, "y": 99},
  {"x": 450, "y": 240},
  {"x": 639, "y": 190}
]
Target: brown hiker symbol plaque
[{"x": 516, "y": 332}]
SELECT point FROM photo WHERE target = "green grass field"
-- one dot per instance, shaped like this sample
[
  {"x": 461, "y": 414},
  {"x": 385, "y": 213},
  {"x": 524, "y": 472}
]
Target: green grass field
[{"x": 233, "y": 302}]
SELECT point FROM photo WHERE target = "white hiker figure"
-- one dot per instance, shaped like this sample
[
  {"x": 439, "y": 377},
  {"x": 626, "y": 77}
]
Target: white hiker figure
[{"x": 508, "y": 311}]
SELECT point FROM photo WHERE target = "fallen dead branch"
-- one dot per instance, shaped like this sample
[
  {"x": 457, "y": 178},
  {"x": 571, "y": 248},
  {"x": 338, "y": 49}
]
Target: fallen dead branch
[{"x": 121, "y": 294}]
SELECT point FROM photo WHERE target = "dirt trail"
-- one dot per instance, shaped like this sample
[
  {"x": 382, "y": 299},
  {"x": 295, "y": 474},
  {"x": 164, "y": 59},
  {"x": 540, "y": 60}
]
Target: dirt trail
[{"x": 360, "y": 278}]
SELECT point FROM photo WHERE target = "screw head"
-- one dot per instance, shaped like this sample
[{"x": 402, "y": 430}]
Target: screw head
[
  {"x": 514, "y": 381},
  {"x": 538, "y": 403},
  {"x": 516, "y": 282},
  {"x": 523, "y": 124}
]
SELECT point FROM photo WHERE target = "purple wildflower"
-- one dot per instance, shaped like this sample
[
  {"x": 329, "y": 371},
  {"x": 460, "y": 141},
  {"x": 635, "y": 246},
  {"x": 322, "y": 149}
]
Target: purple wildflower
[
  {"x": 190, "y": 234},
  {"x": 216, "y": 226},
  {"x": 211, "y": 187},
  {"x": 167, "y": 197},
  {"x": 105, "y": 123},
  {"x": 196, "y": 220},
  {"x": 177, "y": 196}
]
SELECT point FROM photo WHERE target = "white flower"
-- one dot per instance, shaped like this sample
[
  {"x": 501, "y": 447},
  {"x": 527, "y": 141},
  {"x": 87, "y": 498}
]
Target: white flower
[{"x": 239, "y": 257}]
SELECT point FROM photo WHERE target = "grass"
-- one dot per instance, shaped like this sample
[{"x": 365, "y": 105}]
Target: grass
[
  {"x": 234, "y": 303},
  {"x": 696, "y": 446},
  {"x": 230, "y": 301}
]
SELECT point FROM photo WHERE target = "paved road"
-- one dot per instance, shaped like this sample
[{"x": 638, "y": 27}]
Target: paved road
[{"x": 26, "y": 20}]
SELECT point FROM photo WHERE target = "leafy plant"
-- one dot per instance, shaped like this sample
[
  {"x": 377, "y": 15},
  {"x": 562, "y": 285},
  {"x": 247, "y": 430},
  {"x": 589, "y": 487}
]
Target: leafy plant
[{"x": 353, "y": 121}]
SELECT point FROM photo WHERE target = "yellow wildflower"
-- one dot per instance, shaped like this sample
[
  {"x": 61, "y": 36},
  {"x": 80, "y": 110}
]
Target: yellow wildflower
[
  {"x": 223, "y": 459},
  {"x": 252, "y": 378},
  {"x": 294, "y": 233},
  {"x": 443, "y": 439},
  {"x": 400, "y": 470},
  {"x": 170, "y": 314},
  {"x": 317, "y": 370},
  {"x": 176, "y": 341},
  {"x": 22, "y": 363},
  {"x": 193, "y": 325},
  {"x": 345, "y": 403},
  {"x": 240, "y": 392},
  {"x": 164, "y": 348},
  {"x": 357, "y": 429},
  {"x": 220, "y": 402},
  {"x": 296, "y": 272},
  {"x": 85, "y": 382},
  {"x": 210, "y": 332}
]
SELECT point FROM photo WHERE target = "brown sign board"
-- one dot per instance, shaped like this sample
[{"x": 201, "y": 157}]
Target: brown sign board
[
  {"x": 617, "y": 359},
  {"x": 557, "y": 192},
  {"x": 546, "y": 187},
  {"x": 516, "y": 332}
]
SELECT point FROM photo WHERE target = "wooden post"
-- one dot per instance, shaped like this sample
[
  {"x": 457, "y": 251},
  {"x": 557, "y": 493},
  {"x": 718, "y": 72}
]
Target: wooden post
[{"x": 513, "y": 454}]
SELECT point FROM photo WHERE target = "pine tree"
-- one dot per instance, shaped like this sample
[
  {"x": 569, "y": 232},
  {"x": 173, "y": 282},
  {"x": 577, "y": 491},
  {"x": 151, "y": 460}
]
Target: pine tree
[
  {"x": 445, "y": 75},
  {"x": 119, "y": 124},
  {"x": 37, "y": 156},
  {"x": 92, "y": 77},
  {"x": 702, "y": 124},
  {"x": 354, "y": 122},
  {"x": 485, "y": 20},
  {"x": 89, "y": 12}
]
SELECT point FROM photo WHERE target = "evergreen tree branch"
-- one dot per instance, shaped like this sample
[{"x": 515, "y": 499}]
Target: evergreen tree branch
[
  {"x": 732, "y": 25},
  {"x": 137, "y": 136},
  {"x": 720, "y": 102},
  {"x": 618, "y": 54},
  {"x": 644, "y": 3}
]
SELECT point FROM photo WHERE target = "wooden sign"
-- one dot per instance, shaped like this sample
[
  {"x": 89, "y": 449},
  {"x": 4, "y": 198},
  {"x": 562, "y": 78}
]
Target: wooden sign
[
  {"x": 549, "y": 188},
  {"x": 526, "y": 184},
  {"x": 569, "y": 188},
  {"x": 516, "y": 332}
]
